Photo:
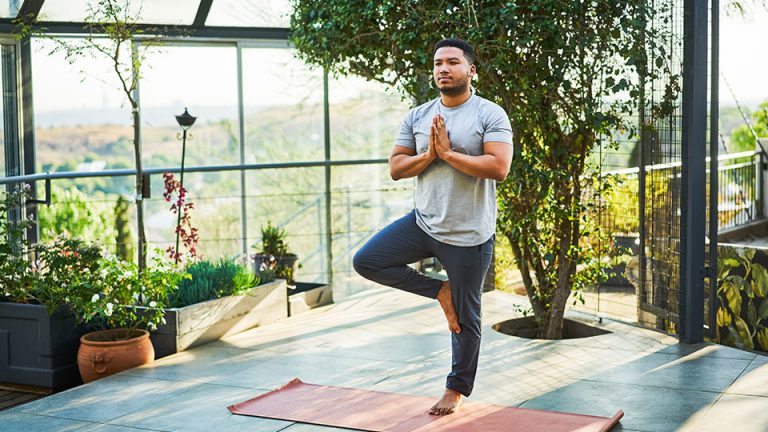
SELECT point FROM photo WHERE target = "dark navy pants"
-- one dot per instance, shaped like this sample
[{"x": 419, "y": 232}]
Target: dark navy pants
[{"x": 385, "y": 258}]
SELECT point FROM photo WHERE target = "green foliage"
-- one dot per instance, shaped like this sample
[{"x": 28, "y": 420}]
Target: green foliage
[
  {"x": 566, "y": 72},
  {"x": 99, "y": 288},
  {"x": 742, "y": 313},
  {"x": 742, "y": 139},
  {"x": 75, "y": 214},
  {"x": 211, "y": 280},
  {"x": 622, "y": 210},
  {"x": 118, "y": 287},
  {"x": 123, "y": 236},
  {"x": 15, "y": 269}
]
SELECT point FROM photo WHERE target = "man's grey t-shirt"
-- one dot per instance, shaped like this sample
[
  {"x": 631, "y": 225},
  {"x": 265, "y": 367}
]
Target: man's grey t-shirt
[{"x": 453, "y": 207}]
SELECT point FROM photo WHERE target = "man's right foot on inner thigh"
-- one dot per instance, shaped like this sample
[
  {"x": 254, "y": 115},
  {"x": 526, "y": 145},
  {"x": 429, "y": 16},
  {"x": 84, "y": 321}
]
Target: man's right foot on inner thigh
[{"x": 446, "y": 302}]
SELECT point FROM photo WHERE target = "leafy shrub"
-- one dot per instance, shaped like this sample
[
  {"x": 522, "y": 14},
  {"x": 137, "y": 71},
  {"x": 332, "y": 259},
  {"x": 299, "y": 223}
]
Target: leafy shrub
[
  {"x": 742, "y": 312},
  {"x": 212, "y": 280}
]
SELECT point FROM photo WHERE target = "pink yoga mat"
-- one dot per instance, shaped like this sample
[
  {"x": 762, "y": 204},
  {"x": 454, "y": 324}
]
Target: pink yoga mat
[{"x": 389, "y": 412}]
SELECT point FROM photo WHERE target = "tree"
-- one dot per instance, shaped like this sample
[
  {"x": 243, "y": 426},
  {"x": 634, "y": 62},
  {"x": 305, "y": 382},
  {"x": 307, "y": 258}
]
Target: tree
[
  {"x": 111, "y": 34},
  {"x": 742, "y": 138},
  {"x": 124, "y": 248},
  {"x": 75, "y": 214},
  {"x": 564, "y": 71}
]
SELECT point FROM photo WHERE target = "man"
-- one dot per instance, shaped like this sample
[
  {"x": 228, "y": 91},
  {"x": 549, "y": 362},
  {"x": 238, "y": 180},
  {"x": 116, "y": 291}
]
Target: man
[{"x": 457, "y": 146}]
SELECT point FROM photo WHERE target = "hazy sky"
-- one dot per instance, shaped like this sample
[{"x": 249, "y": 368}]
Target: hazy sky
[{"x": 743, "y": 57}]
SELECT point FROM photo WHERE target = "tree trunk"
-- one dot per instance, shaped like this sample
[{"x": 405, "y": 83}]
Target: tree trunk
[{"x": 142, "y": 253}]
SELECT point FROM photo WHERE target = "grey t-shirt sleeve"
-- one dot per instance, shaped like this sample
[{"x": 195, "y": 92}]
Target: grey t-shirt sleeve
[
  {"x": 406, "y": 137},
  {"x": 497, "y": 126}
]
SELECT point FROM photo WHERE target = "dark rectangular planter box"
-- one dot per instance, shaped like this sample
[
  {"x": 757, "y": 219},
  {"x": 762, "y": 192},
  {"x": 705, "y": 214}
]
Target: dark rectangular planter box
[
  {"x": 208, "y": 321},
  {"x": 306, "y": 296},
  {"x": 37, "y": 349}
]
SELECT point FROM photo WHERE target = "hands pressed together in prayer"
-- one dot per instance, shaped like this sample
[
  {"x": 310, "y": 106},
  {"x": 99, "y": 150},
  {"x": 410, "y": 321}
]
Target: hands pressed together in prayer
[{"x": 439, "y": 144}]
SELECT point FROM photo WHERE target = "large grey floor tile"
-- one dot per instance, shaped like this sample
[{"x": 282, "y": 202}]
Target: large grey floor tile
[
  {"x": 11, "y": 421},
  {"x": 690, "y": 372},
  {"x": 204, "y": 364},
  {"x": 314, "y": 369},
  {"x": 731, "y": 413},
  {"x": 754, "y": 379},
  {"x": 708, "y": 350},
  {"x": 202, "y": 409},
  {"x": 653, "y": 409},
  {"x": 106, "y": 399}
]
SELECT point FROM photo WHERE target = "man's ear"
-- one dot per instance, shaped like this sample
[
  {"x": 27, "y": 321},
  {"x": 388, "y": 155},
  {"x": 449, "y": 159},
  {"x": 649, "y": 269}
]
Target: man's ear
[{"x": 472, "y": 71}]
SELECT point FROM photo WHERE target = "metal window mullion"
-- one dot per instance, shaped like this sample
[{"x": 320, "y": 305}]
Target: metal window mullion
[
  {"x": 241, "y": 115},
  {"x": 328, "y": 201}
]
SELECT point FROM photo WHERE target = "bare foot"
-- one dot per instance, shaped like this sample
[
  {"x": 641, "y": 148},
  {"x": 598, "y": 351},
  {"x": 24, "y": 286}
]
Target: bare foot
[
  {"x": 447, "y": 404},
  {"x": 446, "y": 302}
]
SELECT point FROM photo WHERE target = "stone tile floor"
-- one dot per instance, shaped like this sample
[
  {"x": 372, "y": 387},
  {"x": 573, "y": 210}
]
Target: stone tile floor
[{"x": 386, "y": 340}]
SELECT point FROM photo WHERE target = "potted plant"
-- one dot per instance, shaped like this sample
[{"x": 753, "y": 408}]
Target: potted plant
[
  {"x": 37, "y": 326},
  {"x": 112, "y": 301},
  {"x": 274, "y": 260},
  {"x": 218, "y": 299}
]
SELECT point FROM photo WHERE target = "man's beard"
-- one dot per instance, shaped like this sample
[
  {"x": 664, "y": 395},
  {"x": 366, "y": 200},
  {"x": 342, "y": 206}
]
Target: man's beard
[{"x": 457, "y": 89}]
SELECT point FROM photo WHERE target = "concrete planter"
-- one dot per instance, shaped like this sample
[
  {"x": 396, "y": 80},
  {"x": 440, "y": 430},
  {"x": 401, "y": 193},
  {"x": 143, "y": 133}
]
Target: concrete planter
[
  {"x": 306, "y": 296},
  {"x": 37, "y": 349},
  {"x": 205, "y": 322}
]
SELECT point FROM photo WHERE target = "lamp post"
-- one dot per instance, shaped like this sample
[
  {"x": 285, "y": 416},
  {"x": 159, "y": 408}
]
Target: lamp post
[{"x": 186, "y": 121}]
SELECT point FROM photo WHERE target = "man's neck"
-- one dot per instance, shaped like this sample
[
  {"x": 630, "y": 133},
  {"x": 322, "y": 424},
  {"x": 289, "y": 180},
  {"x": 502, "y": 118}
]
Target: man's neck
[{"x": 454, "y": 101}]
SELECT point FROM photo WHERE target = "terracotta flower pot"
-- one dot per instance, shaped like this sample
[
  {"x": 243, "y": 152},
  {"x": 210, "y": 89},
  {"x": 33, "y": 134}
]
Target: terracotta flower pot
[{"x": 101, "y": 355}]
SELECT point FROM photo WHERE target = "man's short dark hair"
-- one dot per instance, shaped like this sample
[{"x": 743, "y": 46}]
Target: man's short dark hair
[{"x": 469, "y": 51}]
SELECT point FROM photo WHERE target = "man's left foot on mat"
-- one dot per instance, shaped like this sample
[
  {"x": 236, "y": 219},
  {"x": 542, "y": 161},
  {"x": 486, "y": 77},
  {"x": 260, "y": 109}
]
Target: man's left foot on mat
[
  {"x": 447, "y": 404},
  {"x": 446, "y": 302}
]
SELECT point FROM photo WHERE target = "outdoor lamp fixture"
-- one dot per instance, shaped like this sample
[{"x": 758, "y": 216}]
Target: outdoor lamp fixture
[{"x": 185, "y": 121}]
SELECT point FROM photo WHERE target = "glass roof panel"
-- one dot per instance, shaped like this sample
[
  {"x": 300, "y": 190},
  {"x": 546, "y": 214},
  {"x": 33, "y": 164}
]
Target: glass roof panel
[
  {"x": 9, "y": 8},
  {"x": 249, "y": 13},
  {"x": 172, "y": 12}
]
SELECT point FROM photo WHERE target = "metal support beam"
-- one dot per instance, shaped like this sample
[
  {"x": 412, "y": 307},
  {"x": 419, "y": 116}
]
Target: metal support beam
[
  {"x": 693, "y": 196},
  {"x": 202, "y": 13},
  {"x": 28, "y": 132},
  {"x": 53, "y": 27},
  {"x": 30, "y": 9},
  {"x": 714, "y": 115}
]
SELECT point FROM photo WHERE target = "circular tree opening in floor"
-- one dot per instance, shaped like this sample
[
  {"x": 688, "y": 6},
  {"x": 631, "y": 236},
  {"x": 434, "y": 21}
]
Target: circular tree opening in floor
[{"x": 526, "y": 328}]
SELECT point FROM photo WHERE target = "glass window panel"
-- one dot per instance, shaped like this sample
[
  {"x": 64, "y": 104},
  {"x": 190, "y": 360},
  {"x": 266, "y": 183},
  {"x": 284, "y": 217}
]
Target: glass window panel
[
  {"x": 365, "y": 118},
  {"x": 216, "y": 196},
  {"x": 82, "y": 118},
  {"x": 204, "y": 80},
  {"x": 283, "y": 101},
  {"x": 9, "y": 8},
  {"x": 364, "y": 200},
  {"x": 291, "y": 198},
  {"x": 249, "y": 13},
  {"x": 174, "y": 12},
  {"x": 85, "y": 208}
]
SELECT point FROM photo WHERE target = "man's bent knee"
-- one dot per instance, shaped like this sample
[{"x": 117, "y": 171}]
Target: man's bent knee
[{"x": 363, "y": 263}]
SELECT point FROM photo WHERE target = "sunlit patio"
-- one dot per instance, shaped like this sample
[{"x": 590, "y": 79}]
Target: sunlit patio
[
  {"x": 282, "y": 141},
  {"x": 389, "y": 341}
]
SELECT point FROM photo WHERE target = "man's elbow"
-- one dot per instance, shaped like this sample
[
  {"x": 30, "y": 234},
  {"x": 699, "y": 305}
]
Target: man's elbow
[
  {"x": 394, "y": 174},
  {"x": 501, "y": 174}
]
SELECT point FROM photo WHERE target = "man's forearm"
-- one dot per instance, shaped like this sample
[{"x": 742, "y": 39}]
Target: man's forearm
[
  {"x": 405, "y": 166},
  {"x": 484, "y": 166}
]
